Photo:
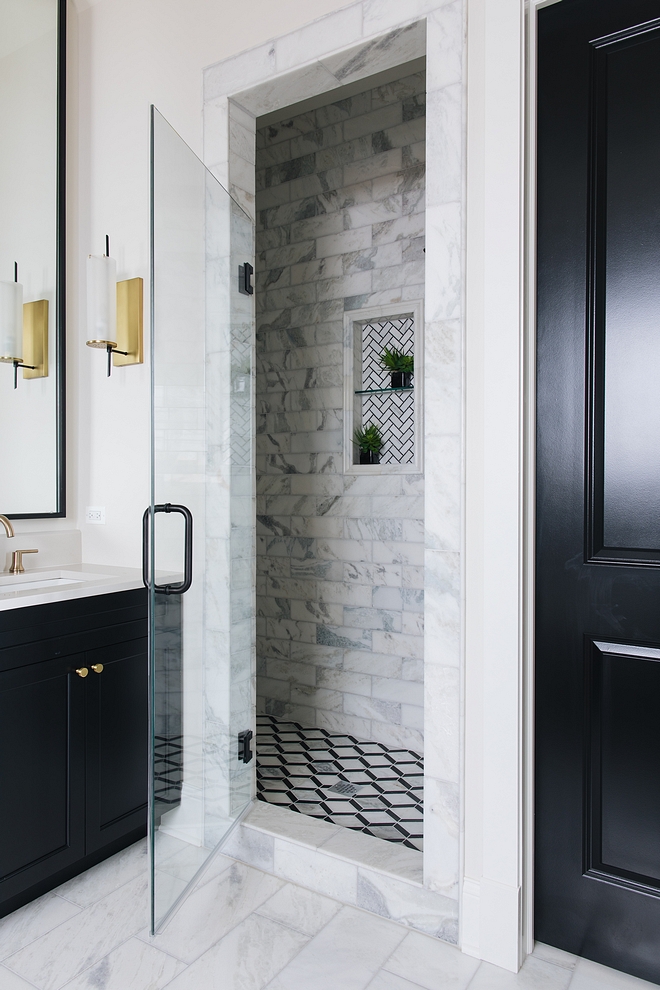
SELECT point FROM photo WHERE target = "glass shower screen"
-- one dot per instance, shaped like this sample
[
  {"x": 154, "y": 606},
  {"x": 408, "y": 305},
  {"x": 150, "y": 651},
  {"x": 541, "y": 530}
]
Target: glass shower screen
[{"x": 199, "y": 543}]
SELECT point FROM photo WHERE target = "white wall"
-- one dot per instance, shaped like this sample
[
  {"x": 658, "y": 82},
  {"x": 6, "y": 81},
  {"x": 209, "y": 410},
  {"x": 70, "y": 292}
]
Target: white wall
[{"x": 124, "y": 55}]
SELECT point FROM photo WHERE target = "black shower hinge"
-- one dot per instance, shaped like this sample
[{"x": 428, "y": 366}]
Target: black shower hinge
[
  {"x": 245, "y": 279},
  {"x": 244, "y": 751}
]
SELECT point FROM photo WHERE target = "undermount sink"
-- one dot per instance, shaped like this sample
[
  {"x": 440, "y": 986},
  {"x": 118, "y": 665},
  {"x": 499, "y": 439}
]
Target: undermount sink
[
  {"x": 41, "y": 581},
  {"x": 18, "y": 583}
]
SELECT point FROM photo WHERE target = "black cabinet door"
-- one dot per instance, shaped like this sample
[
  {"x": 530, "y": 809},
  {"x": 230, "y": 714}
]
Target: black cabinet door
[
  {"x": 41, "y": 772},
  {"x": 597, "y": 845},
  {"x": 117, "y": 742}
]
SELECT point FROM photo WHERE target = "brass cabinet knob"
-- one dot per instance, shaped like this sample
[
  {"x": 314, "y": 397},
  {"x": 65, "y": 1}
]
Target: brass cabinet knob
[
  {"x": 97, "y": 668},
  {"x": 82, "y": 671}
]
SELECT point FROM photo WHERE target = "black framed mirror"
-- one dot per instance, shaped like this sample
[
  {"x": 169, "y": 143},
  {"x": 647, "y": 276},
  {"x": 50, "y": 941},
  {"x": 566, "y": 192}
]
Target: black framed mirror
[{"x": 32, "y": 258}]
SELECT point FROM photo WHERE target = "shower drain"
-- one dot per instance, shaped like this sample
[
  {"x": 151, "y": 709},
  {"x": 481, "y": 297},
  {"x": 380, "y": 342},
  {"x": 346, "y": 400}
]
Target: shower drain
[{"x": 346, "y": 789}]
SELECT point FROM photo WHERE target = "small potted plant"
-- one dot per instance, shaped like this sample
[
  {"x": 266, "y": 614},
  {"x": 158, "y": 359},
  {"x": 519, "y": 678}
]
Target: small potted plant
[
  {"x": 401, "y": 367},
  {"x": 369, "y": 442}
]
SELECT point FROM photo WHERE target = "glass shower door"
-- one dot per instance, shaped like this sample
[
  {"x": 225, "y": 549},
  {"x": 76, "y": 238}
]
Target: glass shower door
[{"x": 198, "y": 540}]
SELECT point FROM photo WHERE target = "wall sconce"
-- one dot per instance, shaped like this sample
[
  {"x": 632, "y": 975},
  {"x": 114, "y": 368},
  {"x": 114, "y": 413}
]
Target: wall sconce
[
  {"x": 114, "y": 311},
  {"x": 23, "y": 331}
]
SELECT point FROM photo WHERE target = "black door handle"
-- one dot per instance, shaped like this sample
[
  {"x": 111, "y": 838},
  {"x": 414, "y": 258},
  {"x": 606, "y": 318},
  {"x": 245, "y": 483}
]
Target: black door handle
[
  {"x": 245, "y": 279},
  {"x": 182, "y": 586}
]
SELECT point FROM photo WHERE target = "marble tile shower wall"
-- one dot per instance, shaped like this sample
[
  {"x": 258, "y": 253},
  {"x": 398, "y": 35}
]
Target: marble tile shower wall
[{"x": 340, "y": 226}]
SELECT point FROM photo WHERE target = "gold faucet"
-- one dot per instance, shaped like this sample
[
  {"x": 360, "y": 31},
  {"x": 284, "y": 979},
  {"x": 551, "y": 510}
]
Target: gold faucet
[
  {"x": 17, "y": 561},
  {"x": 9, "y": 529}
]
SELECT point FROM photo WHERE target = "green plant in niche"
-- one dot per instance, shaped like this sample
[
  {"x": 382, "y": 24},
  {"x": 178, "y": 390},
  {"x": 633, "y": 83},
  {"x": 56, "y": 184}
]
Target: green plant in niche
[
  {"x": 396, "y": 360},
  {"x": 368, "y": 439}
]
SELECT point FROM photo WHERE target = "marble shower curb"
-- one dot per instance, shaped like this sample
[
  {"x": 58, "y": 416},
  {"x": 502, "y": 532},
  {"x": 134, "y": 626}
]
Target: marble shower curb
[{"x": 362, "y": 871}]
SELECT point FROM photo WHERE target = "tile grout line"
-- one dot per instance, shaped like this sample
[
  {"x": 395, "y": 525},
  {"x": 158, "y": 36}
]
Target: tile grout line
[
  {"x": 41, "y": 934},
  {"x": 395, "y": 949},
  {"x": 474, "y": 975},
  {"x": 312, "y": 937}
]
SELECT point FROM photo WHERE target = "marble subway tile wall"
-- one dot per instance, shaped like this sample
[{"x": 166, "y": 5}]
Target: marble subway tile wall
[{"x": 340, "y": 226}]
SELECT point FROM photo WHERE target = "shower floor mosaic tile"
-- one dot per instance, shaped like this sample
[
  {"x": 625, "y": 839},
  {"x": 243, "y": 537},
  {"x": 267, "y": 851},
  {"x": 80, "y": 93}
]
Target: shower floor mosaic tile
[{"x": 361, "y": 785}]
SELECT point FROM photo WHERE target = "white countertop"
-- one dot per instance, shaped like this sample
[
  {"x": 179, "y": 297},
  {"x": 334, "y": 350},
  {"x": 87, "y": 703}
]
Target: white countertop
[{"x": 58, "y": 584}]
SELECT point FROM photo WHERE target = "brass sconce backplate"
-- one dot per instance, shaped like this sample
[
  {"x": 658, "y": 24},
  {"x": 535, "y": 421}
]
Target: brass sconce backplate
[
  {"x": 129, "y": 323},
  {"x": 35, "y": 339}
]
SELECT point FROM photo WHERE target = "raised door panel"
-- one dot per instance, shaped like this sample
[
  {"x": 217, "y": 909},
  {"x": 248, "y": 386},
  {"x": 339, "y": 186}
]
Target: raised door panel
[
  {"x": 42, "y": 772},
  {"x": 622, "y": 767},
  {"x": 624, "y": 298},
  {"x": 117, "y": 742}
]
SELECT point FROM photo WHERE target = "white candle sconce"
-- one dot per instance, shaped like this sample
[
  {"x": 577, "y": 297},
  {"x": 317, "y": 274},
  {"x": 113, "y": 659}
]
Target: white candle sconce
[{"x": 114, "y": 312}]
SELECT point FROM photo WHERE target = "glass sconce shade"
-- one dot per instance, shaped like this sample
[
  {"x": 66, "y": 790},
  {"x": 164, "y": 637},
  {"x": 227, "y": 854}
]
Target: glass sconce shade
[
  {"x": 11, "y": 322},
  {"x": 101, "y": 300}
]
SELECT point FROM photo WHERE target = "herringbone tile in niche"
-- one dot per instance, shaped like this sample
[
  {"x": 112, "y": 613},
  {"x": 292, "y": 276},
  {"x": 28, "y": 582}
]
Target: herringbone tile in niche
[
  {"x": 394, "y": 412},
  {"x": 363, "y": 786}
]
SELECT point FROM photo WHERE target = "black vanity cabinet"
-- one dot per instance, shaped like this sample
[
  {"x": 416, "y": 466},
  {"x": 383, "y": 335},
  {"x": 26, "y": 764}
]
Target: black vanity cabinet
[{"x": 73, "y": 738}]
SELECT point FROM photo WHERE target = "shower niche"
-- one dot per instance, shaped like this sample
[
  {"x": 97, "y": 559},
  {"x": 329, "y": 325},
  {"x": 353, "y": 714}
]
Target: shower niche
[{"x": 383, "y": 376}]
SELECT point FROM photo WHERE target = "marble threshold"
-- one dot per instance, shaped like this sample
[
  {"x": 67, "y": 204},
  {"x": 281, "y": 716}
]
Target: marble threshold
[{"x": 359, "y": 870}]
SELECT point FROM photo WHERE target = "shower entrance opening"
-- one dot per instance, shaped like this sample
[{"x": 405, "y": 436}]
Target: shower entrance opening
[{"x": 339, "y": 291}]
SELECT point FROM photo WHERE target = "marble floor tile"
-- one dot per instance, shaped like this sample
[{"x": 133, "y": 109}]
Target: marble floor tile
[
  {"x": 388, "y": 981},
  {"x": 213, "y": 909},
  {"x": 299, "y": 908},
  {"x": 21, "y": 927},
  {"x": 347, "y": 953},
  {"x": 186, "y": 861},
  {"x": 535, "y": 974},
  {"x": 75, "y": 945},
  {"x": 431, "y": 963},
  {"x": 167, "y": 890},
  {"x": 242, "y": 929},
  {"x": 558, "y": 957},
  {"x": 245, "y": 959},
  {"x": 590, "y": 975},
  {"x": 132, "y": 966},
  {"x": 10, "y": 981},
  {"x": 109, "y": 875}
]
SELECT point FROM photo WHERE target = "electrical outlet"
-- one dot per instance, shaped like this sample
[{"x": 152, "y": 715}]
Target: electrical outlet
[{"x": 95, "y": 514}]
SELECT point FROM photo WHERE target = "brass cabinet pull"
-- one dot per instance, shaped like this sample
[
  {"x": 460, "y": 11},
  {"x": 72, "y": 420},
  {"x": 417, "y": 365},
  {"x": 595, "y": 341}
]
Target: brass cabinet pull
[
  {"x": 97, "y": 668},
  {"x": 82, "y": 671}
]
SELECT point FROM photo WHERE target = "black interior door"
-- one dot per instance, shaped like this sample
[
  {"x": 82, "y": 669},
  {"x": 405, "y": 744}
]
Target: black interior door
[{"x": 598, "y": 501}]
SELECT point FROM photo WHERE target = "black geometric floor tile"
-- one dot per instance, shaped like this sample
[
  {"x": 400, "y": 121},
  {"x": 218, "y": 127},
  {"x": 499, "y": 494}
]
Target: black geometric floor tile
[
  {"x": 168, "y": 772},
  {"x": 363, "y": 786}
]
